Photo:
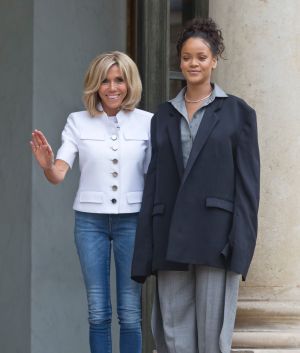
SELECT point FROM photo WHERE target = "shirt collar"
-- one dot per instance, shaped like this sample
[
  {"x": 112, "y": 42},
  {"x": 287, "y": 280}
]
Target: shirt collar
[{"x": 178, "y": 101}]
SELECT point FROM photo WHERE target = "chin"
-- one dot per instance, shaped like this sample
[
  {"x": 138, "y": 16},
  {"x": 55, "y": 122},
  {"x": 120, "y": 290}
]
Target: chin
[{"x": 195, "y": 82}]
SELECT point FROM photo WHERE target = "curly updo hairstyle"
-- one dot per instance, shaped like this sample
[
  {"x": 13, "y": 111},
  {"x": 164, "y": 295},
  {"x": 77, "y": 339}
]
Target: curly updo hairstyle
[{"x": 206, "y": 29}]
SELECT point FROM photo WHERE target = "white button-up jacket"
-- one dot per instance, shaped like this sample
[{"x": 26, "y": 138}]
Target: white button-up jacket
[{"x": 114, "y": 154}]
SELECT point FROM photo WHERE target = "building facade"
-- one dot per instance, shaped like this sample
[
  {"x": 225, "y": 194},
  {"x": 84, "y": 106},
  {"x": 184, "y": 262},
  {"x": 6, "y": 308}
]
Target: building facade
[{"x": 45, "y": 48}]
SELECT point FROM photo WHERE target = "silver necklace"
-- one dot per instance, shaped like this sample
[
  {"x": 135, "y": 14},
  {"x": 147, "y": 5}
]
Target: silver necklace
[{"x": 198, "y": 100}]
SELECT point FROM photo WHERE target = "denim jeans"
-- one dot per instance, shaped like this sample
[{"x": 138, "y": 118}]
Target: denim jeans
[{"x": 94, "y": 236}]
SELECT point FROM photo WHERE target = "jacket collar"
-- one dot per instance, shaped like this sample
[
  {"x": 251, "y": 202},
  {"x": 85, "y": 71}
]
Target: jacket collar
[
  {"x": 179, "y": 104},
  {"x": 209, "y": 122},
  {"x": 121, "y": 115}
]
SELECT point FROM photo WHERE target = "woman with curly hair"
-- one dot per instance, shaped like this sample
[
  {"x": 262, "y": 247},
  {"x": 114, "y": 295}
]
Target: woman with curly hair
[{"x": 198, "y": 221}]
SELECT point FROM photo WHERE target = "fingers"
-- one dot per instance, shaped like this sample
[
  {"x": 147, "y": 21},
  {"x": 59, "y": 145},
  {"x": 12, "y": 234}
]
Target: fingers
[
  {"x": 42, "y": 137},
  {"x": 37, "y": 139},
  {"x": 33, "y": 148}
]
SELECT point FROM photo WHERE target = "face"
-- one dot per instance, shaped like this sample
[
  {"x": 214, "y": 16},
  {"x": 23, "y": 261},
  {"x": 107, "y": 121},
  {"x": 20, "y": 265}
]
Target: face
[
  {"x": 112, "y": 91},
  {"x": 197, "y": 61}
]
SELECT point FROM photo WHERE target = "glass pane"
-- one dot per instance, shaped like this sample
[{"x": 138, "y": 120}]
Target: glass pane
[
  {"x": 175, "y": 87},
  {"x": 181, "y": 11},
  {"x": 176, "y": 13}
]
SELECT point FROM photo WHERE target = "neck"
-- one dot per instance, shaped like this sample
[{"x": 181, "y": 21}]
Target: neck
[{"x": 195, "y": 92}]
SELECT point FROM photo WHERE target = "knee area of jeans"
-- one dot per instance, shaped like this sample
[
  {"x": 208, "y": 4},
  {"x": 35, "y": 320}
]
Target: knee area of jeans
[
  {"x": 130, "y": 326},
  {"x": 129, "y": 317},
  {"x": 99, "y": 323}
]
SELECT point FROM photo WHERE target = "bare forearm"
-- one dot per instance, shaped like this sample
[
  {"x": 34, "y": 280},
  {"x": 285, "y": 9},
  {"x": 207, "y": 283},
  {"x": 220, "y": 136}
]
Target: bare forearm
[{"x": 56, "y": 174}]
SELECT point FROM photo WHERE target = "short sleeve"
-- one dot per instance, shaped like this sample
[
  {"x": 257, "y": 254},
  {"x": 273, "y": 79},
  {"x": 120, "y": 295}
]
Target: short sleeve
[{"x": 69, "y": 148}]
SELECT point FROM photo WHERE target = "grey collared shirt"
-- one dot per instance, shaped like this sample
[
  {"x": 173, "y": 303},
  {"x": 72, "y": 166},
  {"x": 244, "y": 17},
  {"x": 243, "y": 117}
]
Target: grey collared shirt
[{"x": 188, "y": 129}]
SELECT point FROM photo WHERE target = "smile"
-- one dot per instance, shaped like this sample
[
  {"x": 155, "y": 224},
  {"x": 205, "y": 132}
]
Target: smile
[{"x": 113, "y": 97}]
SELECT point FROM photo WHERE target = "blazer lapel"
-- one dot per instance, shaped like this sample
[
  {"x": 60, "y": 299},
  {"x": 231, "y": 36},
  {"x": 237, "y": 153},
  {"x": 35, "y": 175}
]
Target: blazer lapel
[
  {"x": 174, "y": 134},
  {"x": 208, "y": 123}
]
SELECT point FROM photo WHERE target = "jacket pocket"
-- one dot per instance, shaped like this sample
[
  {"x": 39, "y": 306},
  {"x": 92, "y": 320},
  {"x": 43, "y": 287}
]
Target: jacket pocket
[
  {"x": 92, "y": 136},
  {"x": 158, "y": 209},
  {"x": 220, "y": 203},
  {"x": 135, "y": 135},
  {"x": 134, "y": 197},
  {"x": 91, "y": 197},
  {"x": 226, "y": 251}
]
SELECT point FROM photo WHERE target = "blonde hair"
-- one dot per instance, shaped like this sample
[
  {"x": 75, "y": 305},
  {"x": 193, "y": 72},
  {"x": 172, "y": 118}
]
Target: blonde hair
[{"x": 97, "y": 72}]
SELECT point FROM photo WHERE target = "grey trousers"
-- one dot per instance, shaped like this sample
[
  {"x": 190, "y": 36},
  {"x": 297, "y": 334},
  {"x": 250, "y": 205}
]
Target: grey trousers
[{"x": 194, "y": 311}]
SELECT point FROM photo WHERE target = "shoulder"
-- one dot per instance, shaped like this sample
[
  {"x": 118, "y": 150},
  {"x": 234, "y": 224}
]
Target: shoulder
[
  {"x": 141, "y": 114},
  {"x": 138, "y": 118},
  {"x": 83, "y": 114},
  {"x": 164, "y": 110},
  {"x": 239, "y": 111},
  {"x": 165, "y": 107},
  {"x": 78, "y": 118},
  {"x": 239, "y": 103}
]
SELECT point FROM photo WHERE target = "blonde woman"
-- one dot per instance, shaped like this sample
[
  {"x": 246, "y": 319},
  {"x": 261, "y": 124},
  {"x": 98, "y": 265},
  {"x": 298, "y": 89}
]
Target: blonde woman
[{"x": 112, "y": 140}]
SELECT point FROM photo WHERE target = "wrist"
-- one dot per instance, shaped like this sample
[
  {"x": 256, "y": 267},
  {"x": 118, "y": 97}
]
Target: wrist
[{"x": 49, "y": 168}]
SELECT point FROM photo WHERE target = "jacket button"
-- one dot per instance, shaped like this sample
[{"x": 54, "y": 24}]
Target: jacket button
[
  {"x": 114, "y": 187},
  {"x": 114, "y": 174},
  {"x": 115, "y": 161},
  {"x": 114, "y": 201},
  {"x": 114, "y": 137}
]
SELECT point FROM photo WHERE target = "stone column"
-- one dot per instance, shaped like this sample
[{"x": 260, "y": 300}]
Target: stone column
[
  {"x": 45, "y": 48},
  {"x": 263, "y": 67}
]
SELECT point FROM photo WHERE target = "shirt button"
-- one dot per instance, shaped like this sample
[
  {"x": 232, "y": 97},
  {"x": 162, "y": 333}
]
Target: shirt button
[
  {"x": 114, "y": 201},
  {"x": 114, "y": 137},
  {"x": 115, "y": 161},
  {"x": 114, "y": 187},
  {"x": 114, "y": 148},
  {"x": 114, "y": 174}
]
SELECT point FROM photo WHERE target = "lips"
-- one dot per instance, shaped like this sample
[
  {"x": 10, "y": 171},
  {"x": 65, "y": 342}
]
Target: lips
[{"x": 113, "y": 97}]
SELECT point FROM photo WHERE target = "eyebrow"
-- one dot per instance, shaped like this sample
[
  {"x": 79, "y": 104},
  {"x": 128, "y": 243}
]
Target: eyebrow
[{"x": 200, "y": 52}]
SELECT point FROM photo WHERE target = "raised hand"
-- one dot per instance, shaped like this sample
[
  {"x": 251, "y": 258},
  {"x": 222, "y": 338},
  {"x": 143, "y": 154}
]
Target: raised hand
[{"x": 42, "y": 150}]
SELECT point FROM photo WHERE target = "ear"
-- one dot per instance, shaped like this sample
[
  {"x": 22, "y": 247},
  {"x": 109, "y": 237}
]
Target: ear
[{"x": 215, "y": 63}]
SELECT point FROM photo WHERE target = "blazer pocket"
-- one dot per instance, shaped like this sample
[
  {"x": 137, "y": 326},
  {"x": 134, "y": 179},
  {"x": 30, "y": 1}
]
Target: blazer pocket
[
  {"x": 91, "y": 197},
  {"x": 136, "y": 135},
  {"x": 92, "y": 136},
  {"x": 158, "y": 209},
  {"x": 220, "y": 203},
  {"x": 226, "y": 251},
  {"x": 134, "y": 197}
]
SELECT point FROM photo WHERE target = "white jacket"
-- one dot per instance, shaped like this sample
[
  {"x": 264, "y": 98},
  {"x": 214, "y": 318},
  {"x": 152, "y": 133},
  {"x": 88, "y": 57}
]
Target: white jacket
[{"x": 114, "y": 154}]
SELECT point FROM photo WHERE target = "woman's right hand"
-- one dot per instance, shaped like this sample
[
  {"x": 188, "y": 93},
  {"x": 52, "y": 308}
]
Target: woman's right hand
[{"x": 41, "y": 150}]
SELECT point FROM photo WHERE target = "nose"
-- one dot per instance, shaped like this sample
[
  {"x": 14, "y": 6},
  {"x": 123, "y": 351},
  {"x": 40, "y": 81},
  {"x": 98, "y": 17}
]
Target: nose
[
  {"x": 194, "y": 62},
  {"x": 112, "y": 85}
]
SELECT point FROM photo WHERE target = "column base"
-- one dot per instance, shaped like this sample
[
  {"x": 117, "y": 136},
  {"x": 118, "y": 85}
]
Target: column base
[{"x": 267, "y": 327}]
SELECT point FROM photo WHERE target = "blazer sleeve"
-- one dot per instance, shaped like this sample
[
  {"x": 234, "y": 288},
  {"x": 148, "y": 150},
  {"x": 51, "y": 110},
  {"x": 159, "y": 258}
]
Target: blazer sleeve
[
  {"x": 242, "y": 238},
  {"x": 142, "y": 255},
  {"x": 69, "y": 148}
]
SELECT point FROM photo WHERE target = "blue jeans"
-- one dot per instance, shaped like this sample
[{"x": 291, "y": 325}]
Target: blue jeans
[{"x": 94, "y": 235}]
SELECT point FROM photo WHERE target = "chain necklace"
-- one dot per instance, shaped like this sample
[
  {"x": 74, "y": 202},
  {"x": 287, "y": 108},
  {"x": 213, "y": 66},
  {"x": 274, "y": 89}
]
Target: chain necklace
[{"x": 198, "y": 100}]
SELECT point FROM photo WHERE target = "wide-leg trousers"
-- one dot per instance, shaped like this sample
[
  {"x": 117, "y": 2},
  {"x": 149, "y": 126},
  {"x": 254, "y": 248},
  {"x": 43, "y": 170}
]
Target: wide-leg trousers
[{"x": 194, "y": 311}]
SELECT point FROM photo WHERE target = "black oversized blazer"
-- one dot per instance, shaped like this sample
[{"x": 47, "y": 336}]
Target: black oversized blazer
[{"x": 207, "y": 212}]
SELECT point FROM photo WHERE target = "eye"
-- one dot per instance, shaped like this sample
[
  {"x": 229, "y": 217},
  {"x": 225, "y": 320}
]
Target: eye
[
  {"x": 119, "y": 79},
  {"x": 104, "y": 81},
  {"x": 185, "y": 58}
]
